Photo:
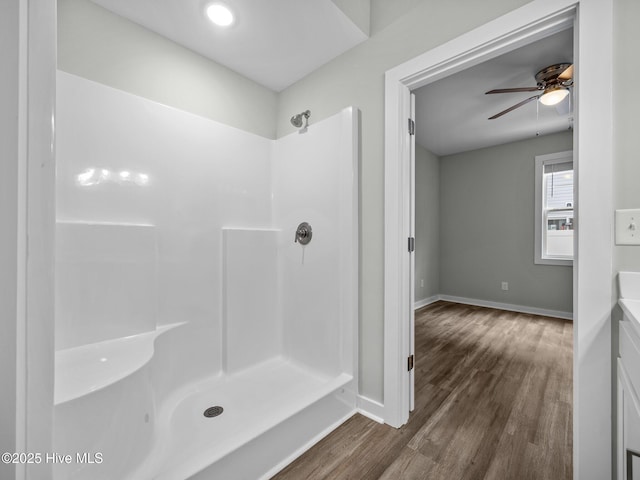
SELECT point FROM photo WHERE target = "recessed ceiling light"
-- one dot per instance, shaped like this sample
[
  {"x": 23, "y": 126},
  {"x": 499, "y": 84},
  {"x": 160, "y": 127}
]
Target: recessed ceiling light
[{"x": 220, "y": 14}]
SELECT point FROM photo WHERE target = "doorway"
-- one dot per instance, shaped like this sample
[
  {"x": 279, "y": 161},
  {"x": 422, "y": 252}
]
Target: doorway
[
  {"x": 476, "y": 184},
  {"x": 592, "y": 285}
]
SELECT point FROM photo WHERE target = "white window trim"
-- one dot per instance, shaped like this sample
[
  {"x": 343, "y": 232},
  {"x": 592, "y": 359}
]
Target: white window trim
[{"x": 541, "y": 160}]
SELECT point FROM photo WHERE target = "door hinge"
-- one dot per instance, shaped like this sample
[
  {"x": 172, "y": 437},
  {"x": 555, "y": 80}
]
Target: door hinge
[
  {"x": 410, "y": 363},
  {"x": 412, "y": 127},
  {"x": 412, "y": 244}
]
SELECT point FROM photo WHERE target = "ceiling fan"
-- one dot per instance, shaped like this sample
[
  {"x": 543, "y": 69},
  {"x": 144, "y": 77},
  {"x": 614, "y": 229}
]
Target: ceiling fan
[{"x": 553, "y": 83}]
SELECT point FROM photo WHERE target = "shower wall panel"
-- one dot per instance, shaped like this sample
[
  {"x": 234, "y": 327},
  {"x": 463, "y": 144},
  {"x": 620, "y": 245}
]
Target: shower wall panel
[
  {"x": 107, "y": 282},
  {"x": 315, "y": 181},
  {"x": 252, "y": 324},
  {"x": 122, "y": 161},
  {"x": 127, "y": 163}
]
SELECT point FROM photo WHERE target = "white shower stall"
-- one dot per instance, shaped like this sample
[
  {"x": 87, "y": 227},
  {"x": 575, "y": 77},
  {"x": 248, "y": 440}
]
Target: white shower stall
[{"x": 195, "y": 338}]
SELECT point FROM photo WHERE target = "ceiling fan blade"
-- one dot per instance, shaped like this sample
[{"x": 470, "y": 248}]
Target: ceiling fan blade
[
  {"x": 517, "y": 105},
  {"x": 567, "y": 74},
  {"x": 511, "y": 90}
]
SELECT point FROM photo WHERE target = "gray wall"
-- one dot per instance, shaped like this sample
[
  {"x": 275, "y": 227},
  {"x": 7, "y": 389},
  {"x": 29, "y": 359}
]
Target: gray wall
[
  {"x": 357, "y": 78},
  {"x": 427, "y": 254},
  {"x": 487, "y": 227},
  {"x": 626, "y": 107},
  {"x": 9, "y": 35},
  {"x": 96, "y": 44}
]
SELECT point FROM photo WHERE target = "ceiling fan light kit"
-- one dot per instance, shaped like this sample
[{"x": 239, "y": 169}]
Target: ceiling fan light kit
[
  {"x": 554, "y": 95},
  {"x": 553, "y": 82}
]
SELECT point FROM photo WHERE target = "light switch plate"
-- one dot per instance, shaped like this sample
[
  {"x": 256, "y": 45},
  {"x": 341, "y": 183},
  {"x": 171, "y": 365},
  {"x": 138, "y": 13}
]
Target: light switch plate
[{"x": 628, "y": 227}]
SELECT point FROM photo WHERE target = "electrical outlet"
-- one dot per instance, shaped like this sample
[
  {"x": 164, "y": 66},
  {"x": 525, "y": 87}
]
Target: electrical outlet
[
  {"x": 505, "y": 285},
  {"x": 422, "y": 282}
]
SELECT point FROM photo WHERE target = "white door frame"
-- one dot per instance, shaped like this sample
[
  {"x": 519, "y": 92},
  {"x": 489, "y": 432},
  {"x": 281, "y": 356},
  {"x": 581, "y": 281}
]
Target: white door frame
[
  {"x": 29, "y": 216},
  {"x": 593, "y": 147}
]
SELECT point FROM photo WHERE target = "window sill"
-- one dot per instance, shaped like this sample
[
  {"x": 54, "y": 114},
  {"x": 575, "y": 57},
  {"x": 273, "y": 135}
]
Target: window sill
[{"x": 554, "y": 261}]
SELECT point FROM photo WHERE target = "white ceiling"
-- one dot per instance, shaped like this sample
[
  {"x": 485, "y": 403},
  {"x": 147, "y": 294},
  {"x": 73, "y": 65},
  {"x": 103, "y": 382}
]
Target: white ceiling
[
  {"x": 275, "y": 42},
  {"x": 452, "y": 113}
]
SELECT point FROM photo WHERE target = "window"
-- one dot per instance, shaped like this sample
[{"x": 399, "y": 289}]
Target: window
[{"x": 554, "y": 209}]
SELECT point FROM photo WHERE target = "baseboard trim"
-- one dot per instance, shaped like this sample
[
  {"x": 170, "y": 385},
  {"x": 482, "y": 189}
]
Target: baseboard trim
[
  {"x": 508, "y": 306},
  {"x": 426, "y": 301},
  {"x": 370, "y": 409}
]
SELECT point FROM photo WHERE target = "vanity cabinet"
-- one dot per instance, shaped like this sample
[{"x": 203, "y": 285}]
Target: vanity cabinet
[{"x": 629, "y": 400}]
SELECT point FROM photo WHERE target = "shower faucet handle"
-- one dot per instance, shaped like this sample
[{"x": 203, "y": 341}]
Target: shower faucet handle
[{"x": 303, "y": 234}]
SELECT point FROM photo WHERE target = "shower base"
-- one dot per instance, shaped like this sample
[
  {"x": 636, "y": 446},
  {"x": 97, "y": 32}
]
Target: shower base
[{"x": 271, "y": 413}]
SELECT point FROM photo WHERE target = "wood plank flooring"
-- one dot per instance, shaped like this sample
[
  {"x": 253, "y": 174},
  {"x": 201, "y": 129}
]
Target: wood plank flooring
[{"x": 493, "y": 402}]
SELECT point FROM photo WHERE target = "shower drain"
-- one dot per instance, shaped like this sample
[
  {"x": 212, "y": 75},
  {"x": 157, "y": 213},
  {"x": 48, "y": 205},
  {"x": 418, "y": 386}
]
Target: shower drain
[{"x": 213, "y": 411}]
